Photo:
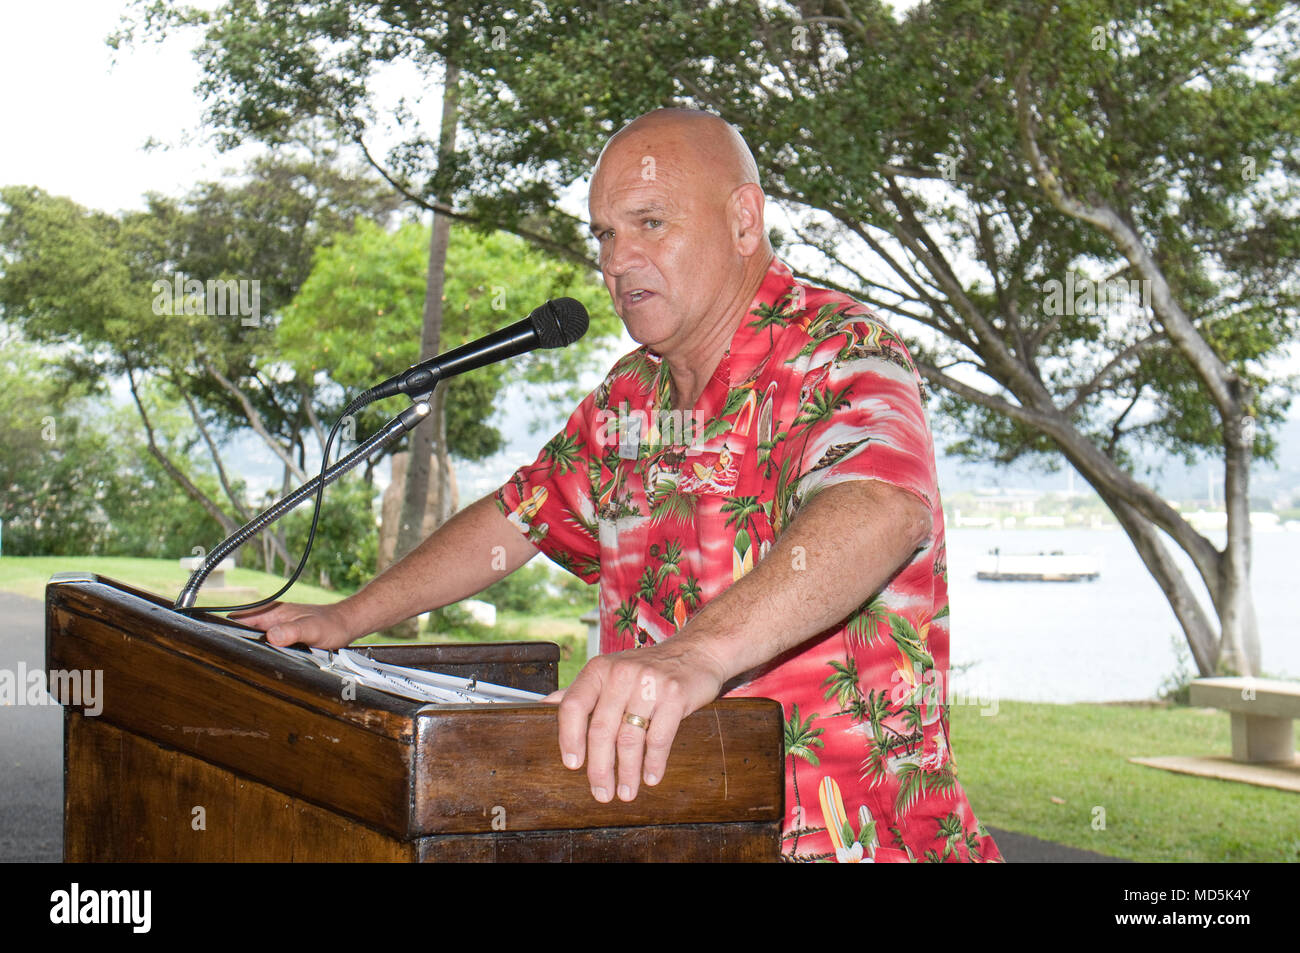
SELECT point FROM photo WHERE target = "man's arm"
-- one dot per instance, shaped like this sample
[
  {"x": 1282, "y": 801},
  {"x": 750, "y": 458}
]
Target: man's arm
[
  {"x": 454, "y": 562},
  {"x": 842, "y": 546}
]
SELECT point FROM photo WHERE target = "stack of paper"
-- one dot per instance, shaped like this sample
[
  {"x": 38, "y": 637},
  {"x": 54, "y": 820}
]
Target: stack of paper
[{"x": 414, "y": 683}]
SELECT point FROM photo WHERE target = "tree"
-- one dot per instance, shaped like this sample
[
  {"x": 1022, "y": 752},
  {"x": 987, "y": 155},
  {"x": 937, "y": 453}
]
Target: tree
[
  {"x": 75, "y": 478},
  {"x": 356, "y": 319},
  {"x": 279, "y": 69},
  {"x": 950, "y": 168},
  {"x": 960, "y": 169},
  {"x": 47, "y": 459},
  {"x": 98, "y": 289}
]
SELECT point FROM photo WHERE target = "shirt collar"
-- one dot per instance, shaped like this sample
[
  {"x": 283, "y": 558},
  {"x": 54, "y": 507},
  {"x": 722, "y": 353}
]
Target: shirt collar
[
  {"x": 771, "y": 310},
  {"x": 769, "y": 313}
]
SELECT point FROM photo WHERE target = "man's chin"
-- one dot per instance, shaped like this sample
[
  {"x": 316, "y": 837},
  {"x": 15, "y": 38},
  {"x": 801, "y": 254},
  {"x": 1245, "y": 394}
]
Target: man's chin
[{"x": 644, "y": 333}]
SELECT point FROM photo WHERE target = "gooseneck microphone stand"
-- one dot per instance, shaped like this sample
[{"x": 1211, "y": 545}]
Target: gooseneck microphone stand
[
  {"x": 400, "y": 425},
  {"x": 557, "y": 323}
]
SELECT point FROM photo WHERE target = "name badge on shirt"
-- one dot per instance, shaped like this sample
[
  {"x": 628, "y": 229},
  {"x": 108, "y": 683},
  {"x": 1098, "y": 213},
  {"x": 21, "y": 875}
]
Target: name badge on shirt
[{"x": 629, "y": 440}]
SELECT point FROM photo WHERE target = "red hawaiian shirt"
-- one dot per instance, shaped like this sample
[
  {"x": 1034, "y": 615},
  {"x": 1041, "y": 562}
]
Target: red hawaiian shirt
[{"x": 667, "y": 509}]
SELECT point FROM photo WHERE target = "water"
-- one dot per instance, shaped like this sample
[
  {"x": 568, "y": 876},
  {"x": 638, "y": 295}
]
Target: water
[{"x": 1106, "y": 640}]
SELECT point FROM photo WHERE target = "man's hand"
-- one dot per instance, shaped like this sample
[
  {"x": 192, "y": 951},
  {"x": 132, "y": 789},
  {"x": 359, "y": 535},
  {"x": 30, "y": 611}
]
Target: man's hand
[
  {"x": 290, "y": 623},
  {"x": 661, "y": 685}
]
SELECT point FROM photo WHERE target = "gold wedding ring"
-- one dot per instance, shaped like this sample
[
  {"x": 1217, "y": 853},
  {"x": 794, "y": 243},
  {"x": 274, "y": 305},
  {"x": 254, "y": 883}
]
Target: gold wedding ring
[{"x": 637, "y": 720}]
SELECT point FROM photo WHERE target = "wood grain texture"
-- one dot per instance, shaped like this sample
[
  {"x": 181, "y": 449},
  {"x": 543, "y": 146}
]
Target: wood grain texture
[
  {"x": 285, "y": 767},
  {"x": 701, "y": 843},
  {"x": 240, "y": 723},
  {"x": 530, "y": 666},
  {"x": 724, "y": 766},
  {"x": 130, "y": 799}
]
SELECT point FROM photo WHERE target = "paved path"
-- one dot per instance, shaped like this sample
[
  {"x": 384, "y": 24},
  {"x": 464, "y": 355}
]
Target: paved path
[
  {"x": 31, "y": 743},
  {"x": 31, "y": 760},
  {"x": 1024, "y": 849}
]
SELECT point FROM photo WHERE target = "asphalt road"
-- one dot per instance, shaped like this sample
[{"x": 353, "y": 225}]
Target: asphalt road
[
  {"x": 31, "y": 760},
  {"x": 31, "y": 744}
]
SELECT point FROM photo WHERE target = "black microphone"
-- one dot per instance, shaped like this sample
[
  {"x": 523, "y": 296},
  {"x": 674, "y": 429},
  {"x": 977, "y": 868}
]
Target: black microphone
[{"x": 558, "y": 323}]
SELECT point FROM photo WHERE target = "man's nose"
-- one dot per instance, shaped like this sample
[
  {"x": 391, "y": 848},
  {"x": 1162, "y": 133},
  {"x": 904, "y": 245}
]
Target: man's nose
[{"x": 620, "y": 254}]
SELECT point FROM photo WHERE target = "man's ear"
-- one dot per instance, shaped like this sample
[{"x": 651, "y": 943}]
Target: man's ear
[{"x": 745, "y": 211}]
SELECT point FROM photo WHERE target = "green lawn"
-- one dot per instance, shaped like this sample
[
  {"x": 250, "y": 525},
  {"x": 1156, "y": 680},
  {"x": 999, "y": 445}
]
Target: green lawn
[
  {"x": 1012, "y": 763},
  {"x": 27, "y": 576}
]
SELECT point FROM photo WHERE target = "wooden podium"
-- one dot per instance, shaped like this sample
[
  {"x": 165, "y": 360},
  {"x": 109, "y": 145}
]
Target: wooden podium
[{"x": 210, "y": 747}]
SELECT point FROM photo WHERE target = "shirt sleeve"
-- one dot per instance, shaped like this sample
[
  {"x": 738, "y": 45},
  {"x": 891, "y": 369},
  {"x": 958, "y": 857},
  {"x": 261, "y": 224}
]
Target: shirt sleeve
[
  {"x": 551, "y": 500},
  {"x": 860, "y": 416}
]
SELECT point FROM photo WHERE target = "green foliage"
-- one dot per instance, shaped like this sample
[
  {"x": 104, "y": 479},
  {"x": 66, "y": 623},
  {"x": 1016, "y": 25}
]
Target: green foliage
[
  {"x": 346, "y": 547},
  {"x": 536, "y": 587},
  {"x": 357, "y": 318},
  {"x": 455, "y": 622},
  {"x": 82, "y": 284},
  {"x": 75, "y": 479},
  {"x": 48, "y": 457},
  {"x": 880, "y": 129}
]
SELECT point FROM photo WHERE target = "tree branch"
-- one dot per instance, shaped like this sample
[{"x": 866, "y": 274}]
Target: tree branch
[
  {"x": 242, "y": 513},
  {"x": 228, "y": 525},
  {"x": 255, "y": 421},
  {"x": 1092, "y": 386},
  {"x": 1219, "y": 379}
]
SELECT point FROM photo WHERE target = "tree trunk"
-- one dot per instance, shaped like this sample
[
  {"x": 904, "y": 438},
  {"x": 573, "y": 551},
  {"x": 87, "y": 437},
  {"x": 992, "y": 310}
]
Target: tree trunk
[
  {"x": 422, "y": 439},
  {"x": 1239, "y": 638},
  {"x": 447, "y": 498},
  {"x": 392, "y": 508}
]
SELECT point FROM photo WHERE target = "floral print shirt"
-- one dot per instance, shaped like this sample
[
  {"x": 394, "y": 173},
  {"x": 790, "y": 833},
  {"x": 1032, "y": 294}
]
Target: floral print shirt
[{"x": 667, "y": 509}]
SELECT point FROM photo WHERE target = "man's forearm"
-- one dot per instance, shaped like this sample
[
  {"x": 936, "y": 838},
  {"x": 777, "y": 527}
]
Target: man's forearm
[
  {"x": 845, "y": 544},
  {"x": 465, "y": 555}
]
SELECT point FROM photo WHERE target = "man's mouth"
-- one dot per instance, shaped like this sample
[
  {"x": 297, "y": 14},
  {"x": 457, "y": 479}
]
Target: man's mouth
[{"x": 637, "y": 295}]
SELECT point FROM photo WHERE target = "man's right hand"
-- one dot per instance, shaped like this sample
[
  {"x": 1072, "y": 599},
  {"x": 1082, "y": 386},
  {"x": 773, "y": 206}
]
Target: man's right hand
[{"x": 297, "y": 623}]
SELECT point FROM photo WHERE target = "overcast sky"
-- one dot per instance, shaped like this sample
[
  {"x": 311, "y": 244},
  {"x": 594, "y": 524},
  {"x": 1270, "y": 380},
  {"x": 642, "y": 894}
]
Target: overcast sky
[{"x": 75, "y": 123}]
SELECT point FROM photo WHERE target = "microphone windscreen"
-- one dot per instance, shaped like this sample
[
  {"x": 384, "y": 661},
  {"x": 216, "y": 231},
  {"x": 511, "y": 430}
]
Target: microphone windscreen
[{"x": 559, "y": 322}]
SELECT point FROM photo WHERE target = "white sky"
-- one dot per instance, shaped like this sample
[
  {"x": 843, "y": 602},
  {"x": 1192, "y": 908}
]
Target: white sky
[{"x": 76, "y": 123}]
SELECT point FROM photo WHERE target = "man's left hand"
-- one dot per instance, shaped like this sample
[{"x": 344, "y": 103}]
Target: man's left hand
[{"x": 659, "y": 685}]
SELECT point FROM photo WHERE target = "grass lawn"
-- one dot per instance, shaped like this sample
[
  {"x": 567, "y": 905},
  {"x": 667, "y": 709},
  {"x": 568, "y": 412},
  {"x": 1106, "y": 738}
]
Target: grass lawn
[
  {"x": 1013, "y": 763},
  {"x": 1016, "y": 765},
  {"x": 27, "y": 576}
]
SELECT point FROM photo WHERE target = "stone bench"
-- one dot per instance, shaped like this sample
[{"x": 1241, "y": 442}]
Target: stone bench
[
  {"x": 217, "y": 578},
  {"x": 1262, "y": 710},
  {"x": 1263, "y": 733}
]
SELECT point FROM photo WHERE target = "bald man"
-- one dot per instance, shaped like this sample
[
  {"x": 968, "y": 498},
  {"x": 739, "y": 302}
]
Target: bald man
[{"x": 754, "y": 490}]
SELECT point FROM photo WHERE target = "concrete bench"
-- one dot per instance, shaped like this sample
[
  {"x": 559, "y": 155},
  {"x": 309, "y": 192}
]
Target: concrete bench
[
  {"x": 217, "y": 578},
  {"x": 1262, "y": 709}
]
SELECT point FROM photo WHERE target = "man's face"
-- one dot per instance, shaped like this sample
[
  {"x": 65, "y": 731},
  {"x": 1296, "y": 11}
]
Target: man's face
[{"x": 667, "y": 251}]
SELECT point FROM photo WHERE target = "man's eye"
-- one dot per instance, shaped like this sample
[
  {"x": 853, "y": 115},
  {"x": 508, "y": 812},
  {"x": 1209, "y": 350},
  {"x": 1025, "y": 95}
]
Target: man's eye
[{"x": 653, "y": 223}]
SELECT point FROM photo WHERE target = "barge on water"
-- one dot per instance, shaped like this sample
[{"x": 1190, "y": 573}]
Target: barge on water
[{"x": 1037, "y": 567}]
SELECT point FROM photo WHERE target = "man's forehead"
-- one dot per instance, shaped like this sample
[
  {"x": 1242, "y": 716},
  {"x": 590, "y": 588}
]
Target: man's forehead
[
  {"x": 631, "y": 196},
  {"x": 630, "y": 211}
]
